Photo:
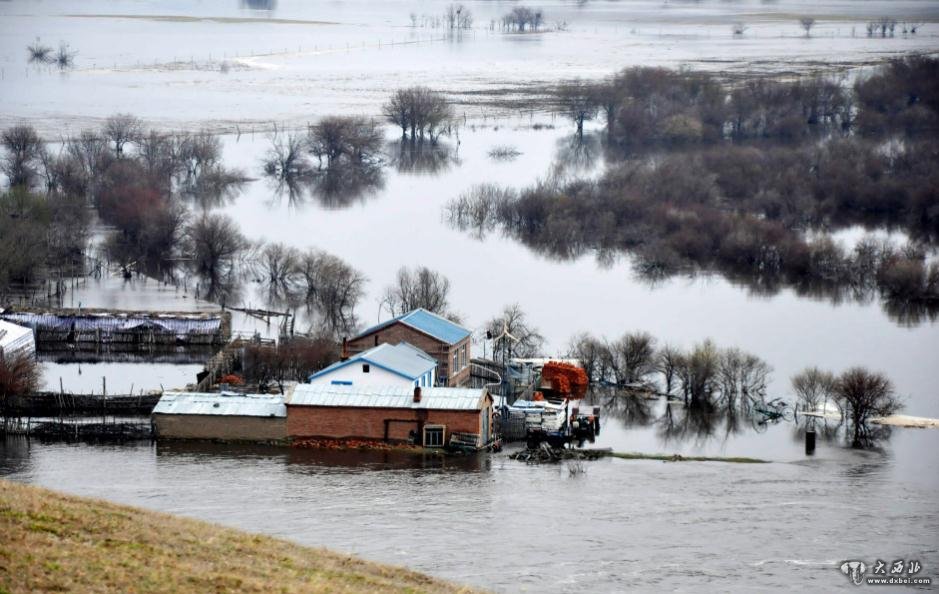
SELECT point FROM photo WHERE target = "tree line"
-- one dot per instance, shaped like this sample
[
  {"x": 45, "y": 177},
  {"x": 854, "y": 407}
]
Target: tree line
[
  {"x": 707, "y": 378},
  {"x": 644, "y": 107}
]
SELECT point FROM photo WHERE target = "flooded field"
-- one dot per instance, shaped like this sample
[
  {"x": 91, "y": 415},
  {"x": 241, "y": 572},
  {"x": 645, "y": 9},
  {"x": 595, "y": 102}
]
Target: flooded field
[
  {"x": 301, "y": 60},
  {"x": 240, "y": 68}
]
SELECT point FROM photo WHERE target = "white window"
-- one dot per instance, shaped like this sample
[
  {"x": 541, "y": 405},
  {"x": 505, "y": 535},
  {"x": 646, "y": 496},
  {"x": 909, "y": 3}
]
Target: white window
[
  {"x": 463, "y": 361},
  {"x": 433, "y": 435}
]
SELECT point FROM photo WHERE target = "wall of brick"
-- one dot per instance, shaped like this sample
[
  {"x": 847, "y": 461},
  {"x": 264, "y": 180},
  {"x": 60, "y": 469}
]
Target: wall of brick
[
  {"x": 440, "y": 351},
  {"x": 222, "y": 427},
  {"x": 369, "y": 423}
]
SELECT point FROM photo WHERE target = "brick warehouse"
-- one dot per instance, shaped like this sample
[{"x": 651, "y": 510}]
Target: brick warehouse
[
  {"x": 223, "y": 417},
  {"x": 432, "y": 417},
  {"x": 440, "y": 338}
]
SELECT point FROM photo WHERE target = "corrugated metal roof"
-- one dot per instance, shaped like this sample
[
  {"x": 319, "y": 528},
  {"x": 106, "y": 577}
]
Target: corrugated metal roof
[
  {"x": 235, "y": 405},
  {"x": 15, "y": 338},
  {"x": 165, "y": 323},
  {"x": 386, "y": 397},
  {"x": 404, "y": 359},
  {"x": 427, "y": 322}
]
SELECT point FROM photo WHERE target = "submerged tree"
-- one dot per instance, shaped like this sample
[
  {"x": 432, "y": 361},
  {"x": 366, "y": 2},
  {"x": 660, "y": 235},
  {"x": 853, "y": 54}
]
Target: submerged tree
[
  {"x": 591, "y": 353},
  {"x": 345, "y": 140},
  {"x": 807, "y": 23},
  {"x": 814, "y": 388},
  {"x": 22, "y": 148},
  {"x": 121, "y": 129},
  {"x": 38, "y": 52},
  {"x": 419, "y": 111},
  {"x": 633, "y": 357},
  {"x": 214, "y": 245},
  {"x": 333, "y": 288},
  {"x": 579, "y": 101},
  {"x": 865, "y": 394}
]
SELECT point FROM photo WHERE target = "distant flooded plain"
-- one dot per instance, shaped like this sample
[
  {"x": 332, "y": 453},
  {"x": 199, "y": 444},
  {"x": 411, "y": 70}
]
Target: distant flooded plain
[{"x": 490, "y": 521}]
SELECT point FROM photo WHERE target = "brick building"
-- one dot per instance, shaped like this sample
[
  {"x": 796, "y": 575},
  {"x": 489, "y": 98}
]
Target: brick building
[
  {"x": 221, "y": 417},
  {"x": 445, "y": 341},
  {"x": 433, "y": 417}
]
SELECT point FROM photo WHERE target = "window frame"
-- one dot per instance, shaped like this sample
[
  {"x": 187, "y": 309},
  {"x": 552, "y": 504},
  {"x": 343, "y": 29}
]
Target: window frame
[{"x": 434, "y": 429}]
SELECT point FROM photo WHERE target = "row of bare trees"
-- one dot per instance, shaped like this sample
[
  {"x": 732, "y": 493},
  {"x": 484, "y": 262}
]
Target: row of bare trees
[
  {"x": 860, "y": 395},
  {"x": 523, "y": 18},
  {"x": 420, "y": 113},
  {"x": 709, "y": 377},
  {"x": 704, "y": 375},
  {"x": 291, "y": 360},
  {"x": 456, "y": 17},
  {"x": 325, "y": 283}
]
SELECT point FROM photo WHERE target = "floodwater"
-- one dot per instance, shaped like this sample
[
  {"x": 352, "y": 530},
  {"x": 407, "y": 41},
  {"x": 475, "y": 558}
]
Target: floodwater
[
  {"x": 303, "y": 60},
  {"x": 493, "y": 522},
  {"x": 490, "y": 521}
]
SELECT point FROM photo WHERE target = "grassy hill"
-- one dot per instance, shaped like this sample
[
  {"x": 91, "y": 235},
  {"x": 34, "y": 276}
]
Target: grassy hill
[{"x": 51, "y": 542}]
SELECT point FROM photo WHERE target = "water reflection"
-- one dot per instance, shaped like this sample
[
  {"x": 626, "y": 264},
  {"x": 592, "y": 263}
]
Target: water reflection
[
  {"x": 336, "y": 187},
  {"x": 428, "y": 158},
  {"x": 316, "y": 460},
  {"x": 578, "y": 154},
  {"x": 267, "y": 5},
  {"x": 673, "y": 424}
]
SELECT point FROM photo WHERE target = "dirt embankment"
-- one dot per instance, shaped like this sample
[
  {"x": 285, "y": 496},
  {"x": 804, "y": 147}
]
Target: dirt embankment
[{"x": 54, "y": 542}]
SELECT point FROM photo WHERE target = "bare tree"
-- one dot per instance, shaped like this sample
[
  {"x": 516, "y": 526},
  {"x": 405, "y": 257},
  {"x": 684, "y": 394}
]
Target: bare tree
[
  {"x": 40, "y": 53},
  {"x": 418, "y": 288},
  {"x": 521, "y": 18},
  {"x": 158, "y": 153},
  {"x": 418, "y": 110},
  {"x": 333, "y": 287},
  {"x": 121, "y": 129},
  {"x": 458, "y": 16},
  {"x": 90, "y": 152},
  {"x": 65, "y": 57},
  {"x": 349, "y": 139},
  {"x": 579, "y": 102},
  {"x": 698, "y": 374},
  {"x": 807, "y": 23},
  {"x": 742, "y": 377},
  {"x": 285, "y": 158},
  {"x": 22, "y": 147},
  {"x": 529, "y": 339},
  {"x": 814, "y": 388},
  {"x": 633, "y": 357},
  {"x": 280, "y": 264},
  {"x": 865, "y": 394},
  {"x": 668, "y": 361},
  {"x": 214, "y": 244},
  {"x": 591, "y": 353}
]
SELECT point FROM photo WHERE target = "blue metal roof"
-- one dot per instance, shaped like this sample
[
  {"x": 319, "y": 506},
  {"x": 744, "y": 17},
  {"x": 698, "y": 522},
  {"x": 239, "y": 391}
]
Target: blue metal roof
[
  {"x": 427, "y": 322},
  {"x": 403, "y": 359}
]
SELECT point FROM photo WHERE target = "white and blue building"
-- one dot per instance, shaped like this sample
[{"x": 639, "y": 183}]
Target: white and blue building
[{"x": 401, "y": 364}]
